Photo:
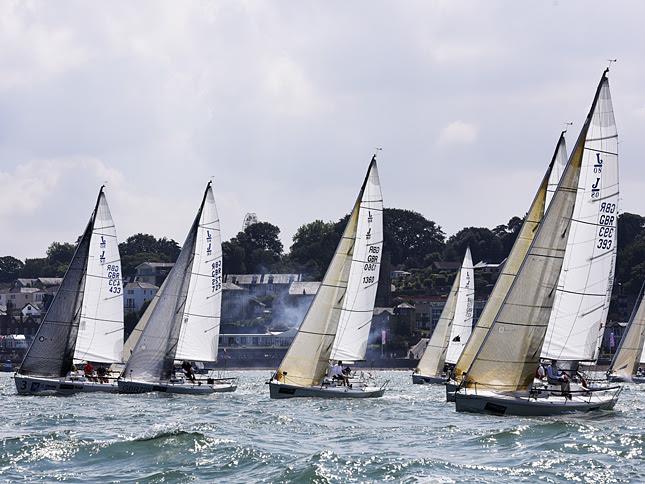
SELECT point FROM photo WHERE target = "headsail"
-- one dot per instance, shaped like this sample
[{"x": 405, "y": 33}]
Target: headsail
[
  {"x": 510, "y": 353},
  {"x": 308, "y": 356},
  {"x": 559, "y": 162},
  {"x": 153, "y": 356},
  {"x": 434, "y": 357},
  {"x": 508, "y": 273},
  {"x": 358, "y": 306},
  {"x": 584, "y": 288},
  {"x": 100, "y": 332},
  {"x": 199, "y": 336},
  {"x": 462, "y": 323},
  {"x": 626, "y": 360}
]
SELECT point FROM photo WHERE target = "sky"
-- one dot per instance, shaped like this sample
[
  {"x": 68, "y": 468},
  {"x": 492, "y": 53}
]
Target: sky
[{"x": 283, "y": 103}]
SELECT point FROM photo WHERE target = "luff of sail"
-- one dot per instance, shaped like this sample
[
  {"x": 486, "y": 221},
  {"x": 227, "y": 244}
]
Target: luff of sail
[
  {"x": 434, "y": 357},
  {"x": 559, "y": 162},
  {"x": 355, "y": 320},
  {"x": 585, "y": 283},
  {"x": 628, "y": 356},
  {"x": 199, "y": 335},
  {"x": 100, "y": 332},
  {"x": 507, "y": 274},
  {"x": 51, "y": 354},
  {"x": 307, "y": 359},
  {"x": 510, "y": 353},
  {"x": 462, "y": 323},
  {"x": 153, "y": 356}
]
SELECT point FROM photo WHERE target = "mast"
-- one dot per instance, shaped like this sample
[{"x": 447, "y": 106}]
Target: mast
[
  {"x": 462, "y": 323},
  {"x": 626, "y": 360},
  {"x": 308, "y": 355},
  {"x": 584, "y": 288},
  {"x": 509, "y": 355},
  {"x": 559, "y": 162}
]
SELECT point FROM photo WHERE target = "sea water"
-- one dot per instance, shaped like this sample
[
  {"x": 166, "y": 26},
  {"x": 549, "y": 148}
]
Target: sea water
[{"x": 411, "y": 434}]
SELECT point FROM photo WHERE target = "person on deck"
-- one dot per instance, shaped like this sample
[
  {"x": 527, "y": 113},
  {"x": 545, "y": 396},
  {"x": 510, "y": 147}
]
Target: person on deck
[
  {"x": 102, "y": 373},
  {"x": 188, "y": 371},
  {"x": 88, "y": 371},
  {"x": 337, "y": 373},
  {"x": 554, "y": 377}
]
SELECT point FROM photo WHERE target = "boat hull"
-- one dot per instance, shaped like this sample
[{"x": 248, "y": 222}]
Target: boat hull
[
  {"x": 423, "y": 379},
  {"x": 283, "y": 390},
  {"x": 30, "y": 385},
  {"x": 131, "y": 386},
  {"x": 495, "y": 404},
  {"x": 451, "y": 388},
  {"x": 620, "y": 379}
]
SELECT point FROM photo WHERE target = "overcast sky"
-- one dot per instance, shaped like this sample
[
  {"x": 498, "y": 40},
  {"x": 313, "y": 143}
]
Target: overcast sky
[{"x": 283, "y": 103}]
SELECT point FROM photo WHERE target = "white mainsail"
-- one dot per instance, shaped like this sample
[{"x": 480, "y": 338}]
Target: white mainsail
[
  {"x": 199, "y": 336},
  {"x": 584, "y": 288},
  {"x": 628, "y": 356},
  {"x": 358, "y": 305},
  {"x": 559, "y": 162},
  {"x": 462, "y": 323},
  {"x": 308, "y": 356},
  {"x": 507, "y": 359},
  {"x": 100, "y": 331}
]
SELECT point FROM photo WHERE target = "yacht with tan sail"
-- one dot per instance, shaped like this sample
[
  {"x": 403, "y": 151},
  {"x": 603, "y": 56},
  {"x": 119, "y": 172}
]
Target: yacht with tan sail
[{"x": 625, "y": 364}]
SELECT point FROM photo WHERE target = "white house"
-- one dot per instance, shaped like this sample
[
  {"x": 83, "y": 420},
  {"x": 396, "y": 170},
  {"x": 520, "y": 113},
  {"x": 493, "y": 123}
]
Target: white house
[{"x": 137, "y": 294}]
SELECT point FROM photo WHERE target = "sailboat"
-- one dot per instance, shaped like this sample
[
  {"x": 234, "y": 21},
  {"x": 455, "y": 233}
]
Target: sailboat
[
  {"x": 624, "y": 365},
  {"x": 509, "y": 271},
  {"x": 85, "y": 319},
  {"x": 182, "y": 321},
  {"x": 452, "y": 330},
  {"x": 500, "y": 377},
  {"x": 336, "y": 326}
]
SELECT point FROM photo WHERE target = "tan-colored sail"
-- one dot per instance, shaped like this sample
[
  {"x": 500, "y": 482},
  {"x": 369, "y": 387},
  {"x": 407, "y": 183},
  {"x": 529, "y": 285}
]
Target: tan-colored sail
[
  {"x": 507, "y": 274},
  {"x": 434, "y": 357},
  {"x": 626, "y": 359},
  {"x": 307, "y": 359},
  {"x": 510, "y": 353}
]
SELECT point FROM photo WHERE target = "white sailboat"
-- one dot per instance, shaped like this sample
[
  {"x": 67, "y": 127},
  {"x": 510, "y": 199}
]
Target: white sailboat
[
  {"x": 182, "y": 322},
  {"x": 507, "y": 275},
  {"x": 336, "y": 326},
  {"x": 452, "y": 330},
  {"x": 500, "y": 377},
  {"x": 85, "y": 320},
  {"x": 625, "y": 364}
]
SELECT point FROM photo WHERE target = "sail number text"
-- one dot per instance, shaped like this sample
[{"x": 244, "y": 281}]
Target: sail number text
[
  {"x": 114, "y": 278},
  {"x": 371, "y": 264}
]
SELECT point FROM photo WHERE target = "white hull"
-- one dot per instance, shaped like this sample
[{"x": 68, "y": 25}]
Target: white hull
[
  {"x": 418, "y": 379},
  {"x": 31, "y": 385},
  {"x": 499, "y": 404},
  {"x": 130, "y": 386},
  {"x": 282, "y": 390}
]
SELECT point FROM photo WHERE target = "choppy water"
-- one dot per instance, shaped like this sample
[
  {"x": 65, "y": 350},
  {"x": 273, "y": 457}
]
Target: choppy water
[{"x": 409, "y": 435}]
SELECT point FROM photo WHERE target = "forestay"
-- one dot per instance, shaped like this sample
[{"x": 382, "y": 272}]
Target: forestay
[
  {"x": 509, "y": 355},
  {"x": 462, "y": 323},
  {"x": 584, "y": 288},
  {"x": 559, "y": 162},
  {"x": 308, "y": 356},
  {"x": 627, "y": 357},
  {"x": 434, "y": 357},
  {"x": 100, "y": 332},
  {"x": 507, "y": 274},
  {"x": 198, "y": 339},
  {"x": 358, "y": 305}
]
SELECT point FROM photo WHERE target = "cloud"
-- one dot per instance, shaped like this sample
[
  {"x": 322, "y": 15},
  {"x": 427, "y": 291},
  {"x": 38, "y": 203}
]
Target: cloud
[{"x": 458, "y": 133}]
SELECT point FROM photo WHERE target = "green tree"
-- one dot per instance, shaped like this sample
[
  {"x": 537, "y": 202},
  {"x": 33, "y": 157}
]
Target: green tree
[
  {"x": 484, "y": 245},
  {"x": 256, "y": 249},
  {"x": 10, "y": 268},
  {"x": 409, "y": 237},
  {"x": 59, "y": 255},
  {"x": 141, "y": 248},
  {"x": 313, "y": 247}
]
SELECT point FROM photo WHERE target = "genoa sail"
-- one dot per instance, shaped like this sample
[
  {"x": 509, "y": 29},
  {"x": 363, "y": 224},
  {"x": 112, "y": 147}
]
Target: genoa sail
[
  {"x": 153, "y": 356},
  {"x": 199, "y": 335},
  {"x": 100, "y": 331},
  {"x": 307, "y": 359},
  {"x": 584, "y": 288},
  {"x": 628, "y": 356},
  {"x": 358, "y": 305},
  {"x": 510, "y": 352},
  {"x": 462, "y": 323}
]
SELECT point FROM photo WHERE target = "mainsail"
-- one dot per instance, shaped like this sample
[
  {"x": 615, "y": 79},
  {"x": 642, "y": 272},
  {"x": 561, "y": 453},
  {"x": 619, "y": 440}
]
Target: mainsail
[
  {"x": 508, "y": 272},
  {"x": 308, "y": 356},
  {"x": 559, "y": 162},
  {"x": 358, "y": 305},
  {"x": 510, "y": 352},
  {"x": 51, "y": 354},
  {"x": 628, "y": 356},
  {"x": 462, "y": 323},
  {"x": 153, "y": 356},
  {"x": 199, "y": 336},
  {"x": 100, "y": 332},
  {"x": 584, "y": 288}
]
